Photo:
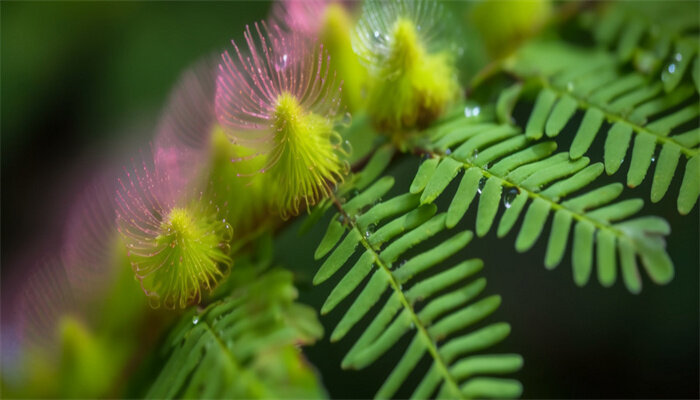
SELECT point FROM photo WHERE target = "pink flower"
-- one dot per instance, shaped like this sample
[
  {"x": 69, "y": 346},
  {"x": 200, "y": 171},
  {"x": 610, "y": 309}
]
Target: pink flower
[
  {"x": 280, "y": 98},
  {"x": 249, "y": 84},
  {"x": 177, "y": 245}
]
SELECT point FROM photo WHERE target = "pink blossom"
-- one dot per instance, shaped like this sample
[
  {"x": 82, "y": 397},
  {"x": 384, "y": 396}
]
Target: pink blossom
[{"x": 250, "y": 82}]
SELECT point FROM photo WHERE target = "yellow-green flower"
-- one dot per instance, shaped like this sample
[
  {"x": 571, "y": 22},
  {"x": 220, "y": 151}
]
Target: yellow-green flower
[
  {"x": 280, "y": 99},
  {"x": 176, "y": 243},
  {"x": 412, "y": 68}
]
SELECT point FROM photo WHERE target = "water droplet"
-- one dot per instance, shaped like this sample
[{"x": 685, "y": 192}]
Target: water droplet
[
  {"x": 448, "y": 152},
  {"x": 376, "y": 34},
  {"x": 475, "y": 155},
  {"x": 678, "y": 57},
  {"x": 672, "y": 68},
  {"x": 371, "y": 228},
  {"x": 482, "y": 183},
  {"x": 195, "y": 319},
  {"x": 282, "y": 62},
  {"x": 347, "y": 119},
  {"x": 341, "y": 218},
  {"x": 346, "y": 147},
  {"x": 510, "y": 196},
  {"x": 425, "y": 157},
  {"x": 470, "y": 112},
  {"x": 653, "y": 159}
]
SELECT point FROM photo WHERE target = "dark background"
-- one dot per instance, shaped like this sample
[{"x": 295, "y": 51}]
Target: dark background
[{"x": 82, "y": 85}]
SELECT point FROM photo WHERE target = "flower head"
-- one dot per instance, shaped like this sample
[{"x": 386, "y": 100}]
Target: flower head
[
  {"x": 405, "y": 48},
  {"x": 176, "y": 243},
  {"x": 281, "y": 99},
  {"x": 331, "y": 22}
]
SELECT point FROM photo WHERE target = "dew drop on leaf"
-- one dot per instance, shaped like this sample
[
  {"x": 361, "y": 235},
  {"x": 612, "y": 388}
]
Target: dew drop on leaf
[
  {"x": 510, "y": 196},
  {"x": 470, "y": 112},
  {"x": 482, "y": 183}
]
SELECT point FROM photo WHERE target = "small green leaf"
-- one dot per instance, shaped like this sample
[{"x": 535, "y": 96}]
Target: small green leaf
[
  {"x": 607, "y": 265},
  {"x": 665, "y": 169},
  {"x": 488, "y": 206},
  {"x": 561, "y": 114},
  {"x": 330, "y": 239},
  {"x": 445, "y": 173},
  {"x": 350, "y": 281},
  {"x": 557, "y": 239},
  {"x": 674, "y": 71},
  {"x": 464, "y": 196},
  {"x": 690, "y": 188},
  {"x": 582, "y": 256},
  {"x": 375, "y": 166},
  {"x": 369, "y": 196},
  {"x": 533, "y": 224},
  {"x": 587, "y": 131},
  {"x": 616, "y": 145},
  {"x": 512, "y": 213},
  {"x": 631, "y": 35},
  {"x": 506, "y": 102},
  {"x": 339, "y": 256},
  {"x": 543, "y": 104},
  {"x": 642, "y": 152},
  {"x": 425, "y": 172}
]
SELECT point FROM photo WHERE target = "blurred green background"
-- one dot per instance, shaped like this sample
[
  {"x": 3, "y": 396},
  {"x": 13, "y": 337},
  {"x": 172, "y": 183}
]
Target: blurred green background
[{"x": 83, "y": 83}]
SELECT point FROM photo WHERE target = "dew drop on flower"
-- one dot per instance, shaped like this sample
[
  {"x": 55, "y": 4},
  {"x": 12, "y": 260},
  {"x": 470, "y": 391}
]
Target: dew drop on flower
[
  {"x": 347, "y": 119},
  {"x": 346, "y": 147},
  {"x": 282, "y": 62}
]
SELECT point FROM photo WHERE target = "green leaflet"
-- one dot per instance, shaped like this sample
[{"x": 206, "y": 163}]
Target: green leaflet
[
  {"x": 533, "y": 182},
  {"x": 448, "y": 300},
  {"x": 264, "y": 323}
]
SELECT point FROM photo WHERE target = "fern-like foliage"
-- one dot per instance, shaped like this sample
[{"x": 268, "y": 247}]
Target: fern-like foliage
[
  {"x": 636, "y": 111},
  {"x": 654, "y": 35},
  {"x": 505, "y": 168},
  {"x": 435, "y": 309},
  {"x": 244, "y": 345}
]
